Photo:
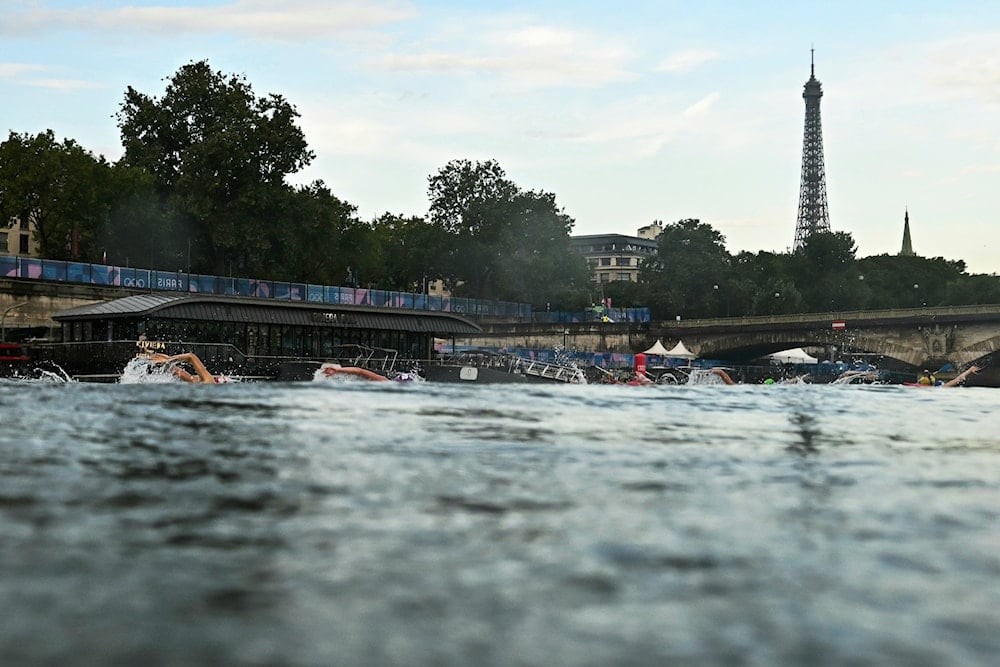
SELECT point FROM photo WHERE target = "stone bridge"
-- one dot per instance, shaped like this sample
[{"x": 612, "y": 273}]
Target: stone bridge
[
  {"x": 920, "y": 337},
  {"x": 915, "y": 337}
]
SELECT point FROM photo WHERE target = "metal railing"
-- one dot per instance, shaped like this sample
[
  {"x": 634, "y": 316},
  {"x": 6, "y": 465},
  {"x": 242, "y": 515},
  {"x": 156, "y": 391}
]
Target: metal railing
[{"x": 100, "y": 275}]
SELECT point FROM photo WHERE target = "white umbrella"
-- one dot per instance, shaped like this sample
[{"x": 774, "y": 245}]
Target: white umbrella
[
  {"x": 657, "y": 349},
  {"x": 793, "y": 356},
  {"x": 680, "y": 351}
]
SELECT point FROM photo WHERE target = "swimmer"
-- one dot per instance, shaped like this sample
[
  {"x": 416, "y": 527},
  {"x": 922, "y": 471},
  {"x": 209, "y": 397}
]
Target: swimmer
[
  {"x": 640, "y": 379},
  {"x": 852, "y": 377},
  {"x": 333, "y": 370},
  {"x": 723, "y": 375},
  {"x": 201, "y": 374},
  {"x": 960, "y": 378}
]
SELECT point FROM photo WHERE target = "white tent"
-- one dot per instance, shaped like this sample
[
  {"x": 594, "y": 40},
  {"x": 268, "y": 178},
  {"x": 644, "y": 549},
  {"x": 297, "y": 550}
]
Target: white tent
[
  {"x": 794, "y": 356},
  {"x": 681, "y": 352},
  {"x": 657, "y": 349}
]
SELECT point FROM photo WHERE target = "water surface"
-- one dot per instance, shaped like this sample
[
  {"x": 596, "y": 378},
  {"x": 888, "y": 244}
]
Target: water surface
[{"x": 435, "y": 524}]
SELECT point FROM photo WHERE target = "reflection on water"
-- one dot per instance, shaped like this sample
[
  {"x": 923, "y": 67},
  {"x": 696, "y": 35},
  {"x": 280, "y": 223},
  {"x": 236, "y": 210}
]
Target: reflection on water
[{"x": 403, "y": 524}]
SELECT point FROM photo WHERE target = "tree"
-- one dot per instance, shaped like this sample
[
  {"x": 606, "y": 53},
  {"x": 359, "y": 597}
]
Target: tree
[
  {"x": 690, "y": 261},
  {"x": 60, "y": 187},
  {"x": 219, "y": 156},
  {"x": 505, "y": 243},
  {"x": 826, "y": 272},
  {"x": 756, "y": 275},
  {"x": 141, "y": 231},
  {"x": 537, "y": 264},
  {"x": 308, "y": 242},
  {"x": 463, "y": 194},
  {"x": 411, "y": 251},
  {"x": 897, "y": 281},
  {"x": 471, "y": 202}
]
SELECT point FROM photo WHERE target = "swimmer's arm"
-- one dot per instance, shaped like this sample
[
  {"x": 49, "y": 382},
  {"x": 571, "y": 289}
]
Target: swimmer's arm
[
  {"x": 201, "y": 373},
  {"x": 960, "y": 378}
]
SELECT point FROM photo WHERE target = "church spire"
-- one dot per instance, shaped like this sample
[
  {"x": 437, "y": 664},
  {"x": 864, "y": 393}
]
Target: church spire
[{"x": 907, "y": 249}]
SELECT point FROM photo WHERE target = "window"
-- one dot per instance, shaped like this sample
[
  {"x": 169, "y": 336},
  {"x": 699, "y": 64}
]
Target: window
[
  {"x": 604, "y": 277},
  {"x": 3, "y": 242},
  {"x": 624, "y": 261},
  {"x": 24, "y": 244},
  {"x": 605, "y": 261}
]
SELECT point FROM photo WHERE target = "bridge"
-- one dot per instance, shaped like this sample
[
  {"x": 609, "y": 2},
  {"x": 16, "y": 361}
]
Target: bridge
[{"x": 918, "y": 337}]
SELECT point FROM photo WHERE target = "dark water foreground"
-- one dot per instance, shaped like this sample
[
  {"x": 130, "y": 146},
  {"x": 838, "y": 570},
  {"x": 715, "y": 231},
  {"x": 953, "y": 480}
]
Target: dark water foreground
[{"x": 362, "y": 524}]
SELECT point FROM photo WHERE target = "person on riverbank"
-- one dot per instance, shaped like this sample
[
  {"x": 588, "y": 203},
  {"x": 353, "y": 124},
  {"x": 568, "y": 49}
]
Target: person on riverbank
[{"x": 201, "y": 374}]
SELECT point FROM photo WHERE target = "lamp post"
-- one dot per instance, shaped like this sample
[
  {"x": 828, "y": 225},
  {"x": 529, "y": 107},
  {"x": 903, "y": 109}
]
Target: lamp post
[
  {"x": 725, "y": 296},
  {"x": 3, "y": 319}
]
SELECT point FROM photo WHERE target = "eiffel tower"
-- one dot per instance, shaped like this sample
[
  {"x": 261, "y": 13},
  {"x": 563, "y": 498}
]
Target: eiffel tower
[{"x": 814, "y": 216}]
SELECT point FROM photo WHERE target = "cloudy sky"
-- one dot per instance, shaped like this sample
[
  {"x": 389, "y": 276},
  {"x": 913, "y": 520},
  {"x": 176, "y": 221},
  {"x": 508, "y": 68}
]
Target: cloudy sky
[{"x": 628, "y": 111}]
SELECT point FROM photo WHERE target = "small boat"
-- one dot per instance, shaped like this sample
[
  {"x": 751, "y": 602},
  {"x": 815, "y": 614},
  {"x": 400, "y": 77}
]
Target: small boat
[
  {"x": 484, "y": 366},
  {"x": 14, "y": 359}
]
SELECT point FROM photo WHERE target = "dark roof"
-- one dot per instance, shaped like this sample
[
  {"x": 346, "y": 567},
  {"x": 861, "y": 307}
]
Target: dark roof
[{"x": 270, "y": 311}]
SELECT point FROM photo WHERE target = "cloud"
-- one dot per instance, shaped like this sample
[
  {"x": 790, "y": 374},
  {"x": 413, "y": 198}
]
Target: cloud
[
  {"x": 12, "y": 70},
  {"x": 290, "y": 19},
  {"x": 21, "y": 73},
  {"x": 982, "y": 169},
  {"x": 967, "y": 67},
  {"x": 647, "y": 125},
  {"x": 686, "y": 61},
  {"x": 63, "y": 84},
  {"x": 531, "y": 56}
]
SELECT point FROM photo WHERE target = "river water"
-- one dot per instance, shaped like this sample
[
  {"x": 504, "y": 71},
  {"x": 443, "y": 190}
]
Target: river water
[{"x": 435, "y": 524}]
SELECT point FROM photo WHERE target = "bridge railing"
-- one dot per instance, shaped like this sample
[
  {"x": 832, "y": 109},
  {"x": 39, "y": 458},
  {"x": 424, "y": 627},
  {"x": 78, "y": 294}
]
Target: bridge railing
[
  {"x": 48, "y": 270},
  {"x": 847, "y": 318}
]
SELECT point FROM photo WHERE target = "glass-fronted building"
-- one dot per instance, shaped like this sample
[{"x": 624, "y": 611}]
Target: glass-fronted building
[{"x": 257, "y": 334}]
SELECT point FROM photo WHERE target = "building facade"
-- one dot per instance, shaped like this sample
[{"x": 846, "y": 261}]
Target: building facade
[
  {"x": 614, "y": 257},
  {"x": 18, "y": 238}
]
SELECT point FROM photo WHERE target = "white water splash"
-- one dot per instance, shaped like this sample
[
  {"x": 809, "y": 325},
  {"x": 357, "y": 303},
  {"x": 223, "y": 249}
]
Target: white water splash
[
  {"x": 51, "y": 373},
  {"x": 141, "y": 371}
]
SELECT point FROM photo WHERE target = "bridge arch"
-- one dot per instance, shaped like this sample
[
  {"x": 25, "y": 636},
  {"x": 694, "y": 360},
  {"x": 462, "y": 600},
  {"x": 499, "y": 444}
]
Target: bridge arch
[
  {"x": 912, "y": 337},
  {"x": 743, "y": 347}
]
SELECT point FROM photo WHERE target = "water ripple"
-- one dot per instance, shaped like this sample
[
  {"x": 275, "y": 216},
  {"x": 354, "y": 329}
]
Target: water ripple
[{"x": 304, "y": 524}]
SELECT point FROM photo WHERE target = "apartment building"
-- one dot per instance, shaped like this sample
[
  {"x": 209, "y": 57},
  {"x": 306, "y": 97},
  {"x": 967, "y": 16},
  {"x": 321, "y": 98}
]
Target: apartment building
[{"x": 617, "y": 256}]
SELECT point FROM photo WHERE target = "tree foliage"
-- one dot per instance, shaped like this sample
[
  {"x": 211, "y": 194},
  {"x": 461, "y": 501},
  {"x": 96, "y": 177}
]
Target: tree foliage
[
  {"x": 59, "y": 186},
  {"x": 219, "y": 156},
  {"x": 682, "y": 277},
  {"x": 505, "y": 243},
  {"x": 823, "y": 276}
]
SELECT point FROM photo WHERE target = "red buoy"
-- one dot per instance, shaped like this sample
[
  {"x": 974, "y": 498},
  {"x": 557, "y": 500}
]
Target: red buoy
[{"x": 640, "y": 363}]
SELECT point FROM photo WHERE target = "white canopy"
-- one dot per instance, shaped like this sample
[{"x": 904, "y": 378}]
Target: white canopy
[
  {"x": 657, "y": 349},
  {"x": 680, "y": 351},
  {"x": 794, "y": 356}
]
